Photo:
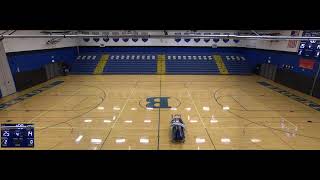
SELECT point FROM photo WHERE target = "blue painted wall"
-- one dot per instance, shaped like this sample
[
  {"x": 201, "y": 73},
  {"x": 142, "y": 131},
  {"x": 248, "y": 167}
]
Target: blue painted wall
[
  {"x": 36, "y": 59},
  {"x": 280, "y": 58},
  {"x": 255, "y": 56},
  {"x": 31, "y": 60}
]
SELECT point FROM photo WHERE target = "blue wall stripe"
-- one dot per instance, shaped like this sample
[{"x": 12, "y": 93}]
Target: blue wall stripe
[
  {"x": 36, "y": 59},
  {"x": 31, "y": 60}
]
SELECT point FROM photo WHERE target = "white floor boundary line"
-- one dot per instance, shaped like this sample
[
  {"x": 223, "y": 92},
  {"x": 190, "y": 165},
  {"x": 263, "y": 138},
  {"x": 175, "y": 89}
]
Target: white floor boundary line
[
  {"x": 205, "y": 128},
  {"x": 127, "y": 100},
  {"x": 44, "y": 112}
]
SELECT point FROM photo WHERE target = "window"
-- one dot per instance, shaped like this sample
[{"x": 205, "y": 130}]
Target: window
[
  {"x": 169, "y": 57},
  {"x": 179, "y": 57},
  {"x": 117, "y": 57},
  {"x": 111, "y": 57},
  {"x": 89, "y": 57},
  {"x": 84, "y": 57},
  {"x": 78, "y": 57},
  {"x": 184, "y": 57}
]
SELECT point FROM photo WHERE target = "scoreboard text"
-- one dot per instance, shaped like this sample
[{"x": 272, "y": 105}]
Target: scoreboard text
[
  {"x": 310, "y": 48},
  {"x": 17, "y": 135}
]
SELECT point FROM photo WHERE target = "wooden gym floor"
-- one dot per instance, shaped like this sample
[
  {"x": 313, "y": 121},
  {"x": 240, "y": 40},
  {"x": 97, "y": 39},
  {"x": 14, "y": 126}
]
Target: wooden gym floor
[{"x": 102, "y": 112}]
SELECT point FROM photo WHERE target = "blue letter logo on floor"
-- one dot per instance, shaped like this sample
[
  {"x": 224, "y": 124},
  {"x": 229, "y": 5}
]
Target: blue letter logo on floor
[{"x": 158, "y": 102}]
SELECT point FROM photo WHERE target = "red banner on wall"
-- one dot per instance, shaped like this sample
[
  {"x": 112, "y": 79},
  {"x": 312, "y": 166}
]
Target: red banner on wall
[{"x": 306, "y": 63}]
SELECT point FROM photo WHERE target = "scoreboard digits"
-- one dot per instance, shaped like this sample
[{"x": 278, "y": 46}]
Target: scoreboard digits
[
  {"x": 310, "y": 48},
  {"x": 17, "y": 135}
]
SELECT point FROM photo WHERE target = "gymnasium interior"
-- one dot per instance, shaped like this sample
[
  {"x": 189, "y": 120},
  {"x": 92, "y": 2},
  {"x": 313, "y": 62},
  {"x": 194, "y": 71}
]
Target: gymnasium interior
[{"x": 122, "y": 89}]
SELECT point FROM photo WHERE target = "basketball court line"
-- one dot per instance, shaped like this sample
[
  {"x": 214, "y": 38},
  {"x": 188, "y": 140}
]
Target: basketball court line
[
  {"x": 276, "y": 129},
  {"x": 251, "y": 117},
  {"x": 189, "y": 90},
  {"x": 78, "y": 116},
  {"x": 245, "y": 109},
  {"x": 250, "y": 110},
  {"x": 66, "y": 122},
  {"x": 128, "y": 98},
  {"x": 269, "y": 127},
  {"x": 158, "y": 145},
  {"x": 281, "y": 139},
  {"x": 66, "y": 127},
  {"x": 44, "y": 112},
  {"x": 205, "y": 128}
]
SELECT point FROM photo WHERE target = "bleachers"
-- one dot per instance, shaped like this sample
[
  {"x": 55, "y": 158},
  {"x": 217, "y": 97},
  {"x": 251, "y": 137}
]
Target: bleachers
[
  {"x": 130, "y": 63},
  {"x": 175, "y": 63},
  {"x": 236, "y": 64},
  {"x": 190, "y": 64},
  {"x": 85, "y": 64}
]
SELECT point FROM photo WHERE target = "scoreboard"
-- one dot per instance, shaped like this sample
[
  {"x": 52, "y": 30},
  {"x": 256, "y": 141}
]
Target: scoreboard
[
  {"x": 17, "y": 135},
  {"x": 310, "y": 49}
]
